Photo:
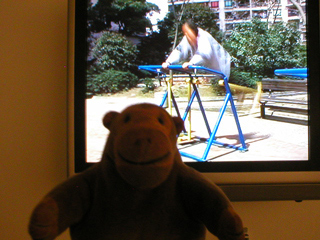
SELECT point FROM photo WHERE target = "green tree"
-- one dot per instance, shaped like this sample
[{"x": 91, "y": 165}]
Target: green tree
[
  {"x": 283, "y": 48},
  {"x": 129, "y": 15},
  {"x": 115, "y": 61},
  {"x": 114, "y": 51},
  {"x": 98, "y": 19},
  {"x": 202, "y": 15},
  {"x": 259, "y": 49},
  {"x": 152, "y": 49}
]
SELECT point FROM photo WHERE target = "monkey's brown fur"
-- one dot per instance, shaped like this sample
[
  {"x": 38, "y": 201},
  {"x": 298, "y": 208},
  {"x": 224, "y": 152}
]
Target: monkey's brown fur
[{"x": 140, "y": 190}]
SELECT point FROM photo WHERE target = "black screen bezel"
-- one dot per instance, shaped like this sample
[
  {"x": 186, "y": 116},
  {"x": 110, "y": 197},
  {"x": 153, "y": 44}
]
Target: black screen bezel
[{"x": 313, "y": 163}]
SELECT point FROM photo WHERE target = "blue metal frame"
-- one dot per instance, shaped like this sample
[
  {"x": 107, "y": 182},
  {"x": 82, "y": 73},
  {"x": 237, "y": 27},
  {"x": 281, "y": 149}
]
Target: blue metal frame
[
  {"x": 193, "y": 71},
  {"x": 194, "y": 94},
  {"x": 294, "y": 72}
]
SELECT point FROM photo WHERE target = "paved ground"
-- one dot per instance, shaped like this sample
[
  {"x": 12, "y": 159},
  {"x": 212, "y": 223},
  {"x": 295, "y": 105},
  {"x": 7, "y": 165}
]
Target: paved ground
[{"x": 266, "y": 139}]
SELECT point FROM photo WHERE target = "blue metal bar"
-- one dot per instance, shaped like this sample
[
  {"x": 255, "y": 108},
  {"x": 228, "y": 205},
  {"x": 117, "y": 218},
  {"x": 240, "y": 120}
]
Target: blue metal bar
[
  {"x": 184, "y": 154},
  {"x": 152, "y": 68},
  {"x": 294, "y": 72},
  {"x": 177, "y": 109},
  {"x": 235, "y": 114},
  {"x": 159, "y": 69},
  {"x": 164, "y": 99},
  {"x": 188, "y": 106},
  {"x": 215, "y": 129},
  {"x": 226, "y": 145},
  {"x": 207, "y": 70}
]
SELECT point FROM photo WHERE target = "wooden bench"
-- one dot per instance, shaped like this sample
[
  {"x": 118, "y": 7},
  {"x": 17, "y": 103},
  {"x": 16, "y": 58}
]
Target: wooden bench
[{"x": 278, "y": 92}]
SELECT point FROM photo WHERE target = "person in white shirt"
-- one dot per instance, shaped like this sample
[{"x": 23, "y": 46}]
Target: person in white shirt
[{"x": 198, "y": 47}]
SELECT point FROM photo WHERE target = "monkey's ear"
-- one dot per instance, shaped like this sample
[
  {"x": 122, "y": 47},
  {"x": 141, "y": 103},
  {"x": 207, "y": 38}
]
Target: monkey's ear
[
  {"x": 108, "y": 118},
  {"x": 178, "y": 122}
]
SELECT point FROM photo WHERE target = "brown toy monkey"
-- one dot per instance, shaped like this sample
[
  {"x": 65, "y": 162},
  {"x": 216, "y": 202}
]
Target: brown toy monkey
[{"x": 141, "y": 189}]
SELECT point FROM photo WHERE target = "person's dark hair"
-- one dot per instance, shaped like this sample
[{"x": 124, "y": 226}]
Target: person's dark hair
[{"x": 192, "y": 26}]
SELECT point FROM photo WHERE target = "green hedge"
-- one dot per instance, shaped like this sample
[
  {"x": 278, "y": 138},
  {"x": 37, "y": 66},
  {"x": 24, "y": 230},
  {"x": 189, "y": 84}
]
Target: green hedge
[{"x": 111, "y": 81}]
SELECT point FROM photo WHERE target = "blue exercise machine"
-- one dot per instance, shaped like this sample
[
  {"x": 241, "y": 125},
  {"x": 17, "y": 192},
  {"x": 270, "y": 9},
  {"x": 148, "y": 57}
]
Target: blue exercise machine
[{"x": 193, "y": 72}]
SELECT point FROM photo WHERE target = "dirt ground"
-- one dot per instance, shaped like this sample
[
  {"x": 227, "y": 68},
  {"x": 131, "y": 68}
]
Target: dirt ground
[{"x": 281, "y": 137}]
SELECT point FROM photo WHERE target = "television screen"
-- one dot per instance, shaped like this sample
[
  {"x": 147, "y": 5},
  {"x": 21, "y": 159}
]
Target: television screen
[{"x": 256, "y": 124}]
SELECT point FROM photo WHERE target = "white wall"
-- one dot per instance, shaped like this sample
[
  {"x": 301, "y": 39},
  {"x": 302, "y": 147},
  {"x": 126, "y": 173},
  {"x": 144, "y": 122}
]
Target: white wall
[{"x": 33, "y": 127}]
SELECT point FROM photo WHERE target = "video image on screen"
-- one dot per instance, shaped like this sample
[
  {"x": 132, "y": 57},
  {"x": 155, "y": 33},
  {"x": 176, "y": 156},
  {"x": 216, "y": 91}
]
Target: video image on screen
[{"x": 244, "y": 88}]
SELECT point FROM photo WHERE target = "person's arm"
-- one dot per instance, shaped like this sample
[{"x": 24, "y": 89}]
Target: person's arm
[
  {"x": 178, "y": 54},
  {"x": 197, "y": 59}
]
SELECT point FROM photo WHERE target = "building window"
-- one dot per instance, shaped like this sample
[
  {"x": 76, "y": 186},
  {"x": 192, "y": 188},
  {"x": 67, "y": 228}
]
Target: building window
[
  {"x": 277, "y": 12},
  {"x": 214, "y": 4},
  {"x": 228, "y": 3}
]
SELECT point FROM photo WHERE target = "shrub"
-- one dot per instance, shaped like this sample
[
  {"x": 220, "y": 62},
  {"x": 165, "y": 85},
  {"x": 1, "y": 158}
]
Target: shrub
[
  {"x": 149, "y": 85},
  {"x": 260, "y": 49},
  {"x": 238, "y": 77},
  {"x": 112, "y": 81},
  {"x": 114, "y": 51},
  {"x": 242, "y": 78}
]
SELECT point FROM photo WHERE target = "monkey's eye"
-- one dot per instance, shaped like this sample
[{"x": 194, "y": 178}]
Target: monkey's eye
[
  {"x": 160, "y": 120},
  {"x": 127, "y": 118}
]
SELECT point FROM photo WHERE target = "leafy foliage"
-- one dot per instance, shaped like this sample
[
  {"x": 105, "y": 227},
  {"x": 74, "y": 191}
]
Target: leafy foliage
[
  {"x": 114, "y": 51},
  {"x": 204, "y": 17},
  {"x": 111, "y": 81},
  {"x": 149, "y": 85},
  {"x": 259, "y": 49},
  {"x": 128, "y": 14},
  {"x": 200, "y": 14},
  {"x": 114, "y": 59},
  {"x": 242, "y": 78},
  {"x": 152, "y": 49}
]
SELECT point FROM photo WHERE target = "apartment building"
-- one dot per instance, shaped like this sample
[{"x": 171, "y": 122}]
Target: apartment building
[{"x": 232, "y": 12}]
